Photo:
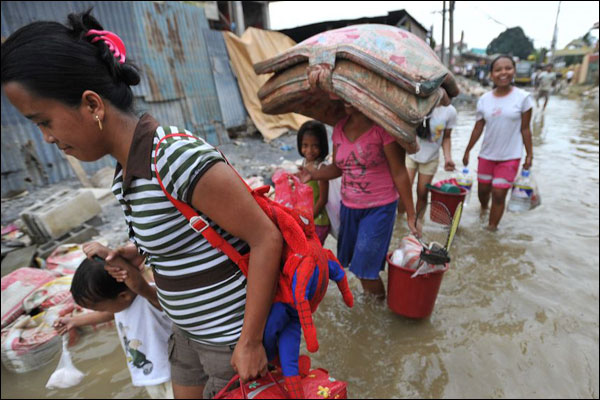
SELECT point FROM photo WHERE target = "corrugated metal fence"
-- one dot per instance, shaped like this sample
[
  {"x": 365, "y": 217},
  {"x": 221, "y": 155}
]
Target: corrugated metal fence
[{"x": 180, "y": 59}]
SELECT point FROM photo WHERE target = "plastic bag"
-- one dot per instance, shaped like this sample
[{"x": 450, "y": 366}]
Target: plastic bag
[
  {"x": 536, "y": 197},
  {"x": 398, "y": 257},
  {"x": 334, "y": 202},
  {"x": 65, "y": 375},
  {"x": 411, "y": 258},
  {"x": 292, "y": 193}
]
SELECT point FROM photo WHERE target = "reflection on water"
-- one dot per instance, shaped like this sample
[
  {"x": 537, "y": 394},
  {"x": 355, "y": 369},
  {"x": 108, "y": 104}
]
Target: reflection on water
[{"x": 516, "y": 315}]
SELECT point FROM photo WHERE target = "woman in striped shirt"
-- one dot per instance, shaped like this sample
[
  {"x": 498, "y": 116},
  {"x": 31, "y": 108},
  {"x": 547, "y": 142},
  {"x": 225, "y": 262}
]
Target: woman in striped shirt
[{"x": 74, "y": 83}]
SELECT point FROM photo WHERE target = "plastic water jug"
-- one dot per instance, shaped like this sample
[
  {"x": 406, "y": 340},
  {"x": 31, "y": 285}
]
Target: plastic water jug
[
  {"x": 465, "y": 181},
  {"x": 524, "y": 195}
]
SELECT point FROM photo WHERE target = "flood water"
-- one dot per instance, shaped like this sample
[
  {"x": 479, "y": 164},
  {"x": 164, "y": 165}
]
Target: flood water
[{"x": 517, "y": 312}]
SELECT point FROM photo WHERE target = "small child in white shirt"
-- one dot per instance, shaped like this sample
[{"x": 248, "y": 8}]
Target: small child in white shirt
[{"x": 143, "y": 327}]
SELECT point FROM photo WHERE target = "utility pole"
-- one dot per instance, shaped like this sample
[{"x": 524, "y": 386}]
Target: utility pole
[
  {"x": 431, "y": 40},
  {"x": 553, "y": 45},
  {"x": 443, "y": 32},
  {"x": 451, "y": 35},
  {"x": 238, "y": 12}
]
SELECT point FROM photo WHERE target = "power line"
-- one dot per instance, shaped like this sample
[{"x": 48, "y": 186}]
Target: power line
[{"x": 489, "y": 16}]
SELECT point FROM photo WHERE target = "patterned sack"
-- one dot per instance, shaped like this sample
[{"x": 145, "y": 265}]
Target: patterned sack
[
  {"x": 66, "y": 258},
  {"x": 56, "y": 293},
  {"x": 387, "y": 73},
  {"x": 393, "y": 108},
  {"x": 388, "y": 51},
  {"x": 29, "y": 343},
  {"x": 317, "y": 385},
  {"x": 16, "y": 287}
]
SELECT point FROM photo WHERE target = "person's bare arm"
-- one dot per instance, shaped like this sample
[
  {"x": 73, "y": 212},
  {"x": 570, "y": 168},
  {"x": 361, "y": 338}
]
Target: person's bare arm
[
  {"x": 309, "y": 173},
  {"x": 475, "y": 135},
  {"x": 446, "y": 148},
  {"x": 222, "y": 196},
  {"x": 134, "y": 279},
  {"x": 526, "y": 134},
  {"x": 325, "y": 173},
  {"x": 323, "y": 197},
  {"x": 395, "y": 156},
  {"x": 64, "y": 324}
]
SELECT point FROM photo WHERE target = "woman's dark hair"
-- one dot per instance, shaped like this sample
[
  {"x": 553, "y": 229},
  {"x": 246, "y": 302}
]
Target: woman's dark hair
[
  {"x": 318, "y": 130},
  {"x": 92, "y": 284},
  {"x": 59, "y": 62}
]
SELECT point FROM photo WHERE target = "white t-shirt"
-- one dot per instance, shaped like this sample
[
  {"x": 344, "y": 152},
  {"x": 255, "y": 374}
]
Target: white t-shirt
[
  {"x": 546, "y": 79},
  {"x": 144, "y": 333},
  {"x": 502, "y": 138},
  {"x": 442, "y": 118}
]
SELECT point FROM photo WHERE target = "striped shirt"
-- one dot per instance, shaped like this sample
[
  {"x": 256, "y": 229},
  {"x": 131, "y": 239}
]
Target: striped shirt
[{"x": 199, "y": 288}]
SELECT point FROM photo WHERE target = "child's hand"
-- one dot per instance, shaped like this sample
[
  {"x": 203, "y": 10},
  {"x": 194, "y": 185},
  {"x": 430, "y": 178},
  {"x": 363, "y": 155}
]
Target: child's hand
[
  {"x": 305, "y": 173},
  {"x": 466, "y": 159},
  {"x": 63, "y": 325},
  {"x": 449, "y": 165},
  {"x": 411, "y": 221},
  {"x": 95, "y": 249},
  {"x": 528, "y": 161}
]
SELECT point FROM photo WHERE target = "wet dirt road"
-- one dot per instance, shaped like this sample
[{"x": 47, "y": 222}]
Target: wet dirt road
[{"x": 516, "y": 315}]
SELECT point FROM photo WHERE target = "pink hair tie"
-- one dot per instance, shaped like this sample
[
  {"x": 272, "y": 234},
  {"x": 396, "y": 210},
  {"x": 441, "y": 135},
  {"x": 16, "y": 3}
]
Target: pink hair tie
[{"x": 114, "y": 43}]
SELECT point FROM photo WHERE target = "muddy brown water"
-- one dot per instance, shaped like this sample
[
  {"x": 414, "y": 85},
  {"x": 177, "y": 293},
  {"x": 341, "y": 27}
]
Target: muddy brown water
[{"x": 516, "y": 315}]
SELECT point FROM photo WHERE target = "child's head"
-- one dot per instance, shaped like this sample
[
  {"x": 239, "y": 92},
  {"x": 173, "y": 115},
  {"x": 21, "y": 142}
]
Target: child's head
[
  {"x": 92, "y": 287},
  {"x": 312, "y": 141},
  {"x": 502, "y": 71},
  {"x": 66, "y": 79}
]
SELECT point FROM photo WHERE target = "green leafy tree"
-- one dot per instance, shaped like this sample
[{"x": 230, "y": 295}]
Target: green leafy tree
[{"x": 512, "y": 41}]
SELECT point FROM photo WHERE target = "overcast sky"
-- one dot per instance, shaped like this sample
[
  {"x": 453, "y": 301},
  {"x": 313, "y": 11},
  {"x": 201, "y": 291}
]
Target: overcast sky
[{"x": 481, "y": 21}]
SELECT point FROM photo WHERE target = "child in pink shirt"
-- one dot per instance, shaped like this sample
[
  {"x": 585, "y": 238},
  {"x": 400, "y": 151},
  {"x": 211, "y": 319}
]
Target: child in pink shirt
[{"x": 371, "y": 164}]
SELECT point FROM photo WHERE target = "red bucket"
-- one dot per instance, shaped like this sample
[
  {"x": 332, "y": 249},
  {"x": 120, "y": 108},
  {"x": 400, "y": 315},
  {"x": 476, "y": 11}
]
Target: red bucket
[
  {"x": 412, "y": 297},
  {"x": 450, "y": 200}
]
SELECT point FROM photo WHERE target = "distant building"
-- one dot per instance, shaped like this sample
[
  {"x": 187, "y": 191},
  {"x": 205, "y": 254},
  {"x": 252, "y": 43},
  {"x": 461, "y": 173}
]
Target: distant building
[
  {"x": 237, "y": 16},
  {"x": 581, "y": 56}
]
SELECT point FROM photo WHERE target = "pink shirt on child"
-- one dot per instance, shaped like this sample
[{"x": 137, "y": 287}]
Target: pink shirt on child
[{"x": 366, "y": 177}]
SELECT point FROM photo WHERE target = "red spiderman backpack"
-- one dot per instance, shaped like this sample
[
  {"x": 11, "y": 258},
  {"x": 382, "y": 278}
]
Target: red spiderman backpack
[{"x": 302, "y": 253}]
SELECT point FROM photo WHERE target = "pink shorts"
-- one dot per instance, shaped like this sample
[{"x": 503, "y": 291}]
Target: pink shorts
[{"x": 501, "y": 174}]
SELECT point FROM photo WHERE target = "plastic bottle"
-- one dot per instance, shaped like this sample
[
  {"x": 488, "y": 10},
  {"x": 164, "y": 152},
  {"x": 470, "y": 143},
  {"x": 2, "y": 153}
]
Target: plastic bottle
[
  {"x": 521, "y": 194},
  {"x": 465, "y": 181}
]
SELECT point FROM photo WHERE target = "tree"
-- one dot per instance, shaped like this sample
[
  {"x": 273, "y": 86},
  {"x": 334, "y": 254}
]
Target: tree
[{"x": 513, "y": 42}]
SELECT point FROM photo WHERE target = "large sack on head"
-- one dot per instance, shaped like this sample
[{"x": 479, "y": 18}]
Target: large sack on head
[
  {"x": 387, "y": 73},
  {"x": 393, "y": 108}
]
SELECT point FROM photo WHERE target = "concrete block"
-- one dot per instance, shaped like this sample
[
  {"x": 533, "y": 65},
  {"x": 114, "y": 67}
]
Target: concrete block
[
  {"x": 81, "y": 234},
  {"x": 61, "y": 212},
  {"x": 103, "y": 178},
  {"x": 102, "y": 195},
  {"x": 22, "y": 257}
]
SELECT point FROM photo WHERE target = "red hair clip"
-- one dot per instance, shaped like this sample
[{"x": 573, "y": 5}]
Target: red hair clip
[{"x": 114, "y": 43}]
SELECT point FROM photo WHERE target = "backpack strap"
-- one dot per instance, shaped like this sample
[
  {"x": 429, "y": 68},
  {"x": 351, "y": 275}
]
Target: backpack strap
[{"x": 197, "y": 223}]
